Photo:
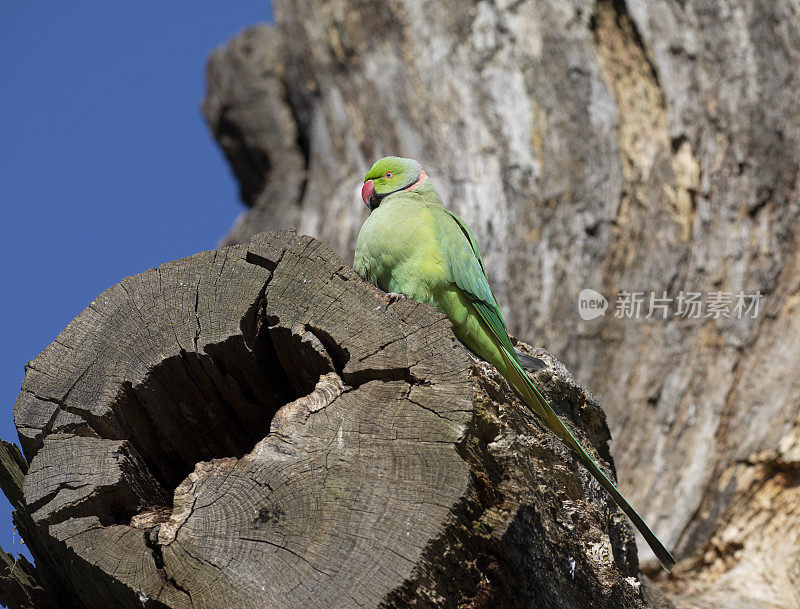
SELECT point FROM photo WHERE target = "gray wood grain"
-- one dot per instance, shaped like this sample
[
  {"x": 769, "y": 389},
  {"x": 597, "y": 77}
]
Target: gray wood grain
[{"x": 254, "y": 427}]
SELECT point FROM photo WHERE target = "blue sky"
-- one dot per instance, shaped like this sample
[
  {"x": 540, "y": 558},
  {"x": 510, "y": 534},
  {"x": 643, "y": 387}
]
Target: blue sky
[{"x": 106, "y": 167}]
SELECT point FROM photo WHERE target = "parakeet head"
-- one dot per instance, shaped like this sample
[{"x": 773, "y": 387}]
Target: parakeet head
[{"x": 389, "y": 175}]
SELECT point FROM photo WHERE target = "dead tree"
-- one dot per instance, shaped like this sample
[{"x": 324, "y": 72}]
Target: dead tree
[{"x": 619, "y": 145}]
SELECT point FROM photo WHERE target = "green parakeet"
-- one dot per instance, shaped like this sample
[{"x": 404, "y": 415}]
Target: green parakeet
[{"x": 412, "y": 246}]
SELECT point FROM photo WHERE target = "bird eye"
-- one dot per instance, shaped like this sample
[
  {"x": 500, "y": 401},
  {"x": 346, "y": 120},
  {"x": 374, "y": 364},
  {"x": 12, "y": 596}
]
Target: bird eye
[{"x": 388, "y": 175}]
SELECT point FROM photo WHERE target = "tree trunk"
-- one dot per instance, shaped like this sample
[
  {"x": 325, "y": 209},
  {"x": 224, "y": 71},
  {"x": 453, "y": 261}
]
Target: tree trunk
[
  {"x": 618, "y": 145},
  {"x": 255, "y": 427}
]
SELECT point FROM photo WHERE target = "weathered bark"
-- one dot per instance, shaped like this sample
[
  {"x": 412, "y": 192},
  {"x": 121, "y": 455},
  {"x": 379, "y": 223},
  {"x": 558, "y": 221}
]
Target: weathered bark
[
  {"x": 612, "y": 144},
  {"x": 255, "y": 427}
]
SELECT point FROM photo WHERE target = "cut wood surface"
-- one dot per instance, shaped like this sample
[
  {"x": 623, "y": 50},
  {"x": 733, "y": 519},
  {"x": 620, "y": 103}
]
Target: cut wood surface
[
  {"x": 255, "y": 427},
  {"x": 618, "y": 145}
]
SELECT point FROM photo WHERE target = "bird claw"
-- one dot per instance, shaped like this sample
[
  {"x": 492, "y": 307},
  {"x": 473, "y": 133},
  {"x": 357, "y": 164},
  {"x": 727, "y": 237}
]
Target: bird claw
[{"x": 393, "y": 297}]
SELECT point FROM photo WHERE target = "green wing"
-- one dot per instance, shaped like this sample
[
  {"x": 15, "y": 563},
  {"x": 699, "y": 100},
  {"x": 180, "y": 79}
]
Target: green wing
[
  {"x": 469, "y": 274},
  {"x": 473, "y": 243}
]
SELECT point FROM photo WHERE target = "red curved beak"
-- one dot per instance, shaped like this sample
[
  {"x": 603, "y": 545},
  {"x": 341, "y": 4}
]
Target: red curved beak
[{"x": 367, "y": 191}]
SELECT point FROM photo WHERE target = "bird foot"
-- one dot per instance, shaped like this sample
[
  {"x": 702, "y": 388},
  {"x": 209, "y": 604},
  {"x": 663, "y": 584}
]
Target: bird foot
[{"x": 393, "y": 297}]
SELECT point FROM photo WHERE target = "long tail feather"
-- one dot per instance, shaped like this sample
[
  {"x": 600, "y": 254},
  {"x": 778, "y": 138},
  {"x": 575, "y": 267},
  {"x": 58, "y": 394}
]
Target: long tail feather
[{"x": 534, "y": 400}]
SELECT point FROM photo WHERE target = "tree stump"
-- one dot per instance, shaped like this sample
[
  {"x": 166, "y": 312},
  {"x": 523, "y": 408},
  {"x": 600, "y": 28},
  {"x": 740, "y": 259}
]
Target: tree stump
[{"x": 255, "y": 427}]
